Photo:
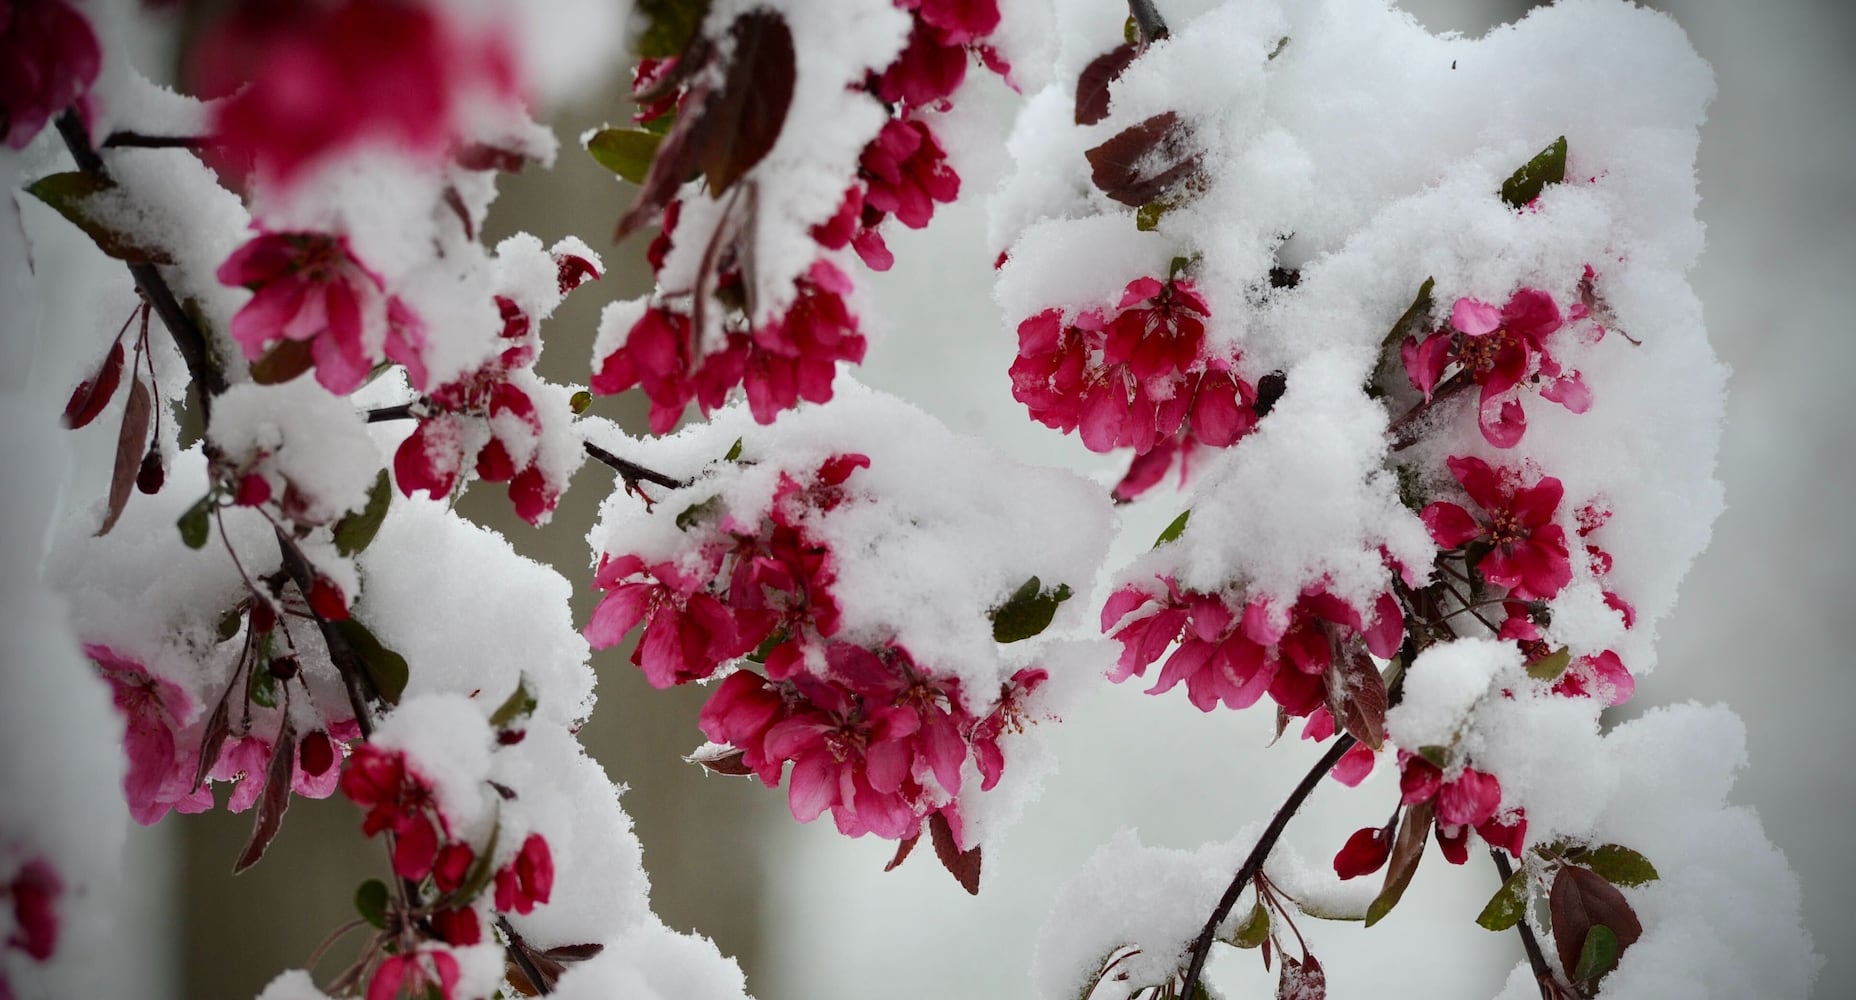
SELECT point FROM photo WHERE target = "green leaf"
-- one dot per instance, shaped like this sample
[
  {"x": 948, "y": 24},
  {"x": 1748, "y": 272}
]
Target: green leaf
[
  {"x": 734, "y": 452},
  {"x": 1414, "y": 319},
  {"x": 625, "y": 151},
  {"x": 385, "y": 669},
  {"x": 697, "y": 513},
  {"x": 1147, "y": 217},
  {"x": 481, "y": 869},
  {"x": 1620, "y": 865},
  {"x": 670, "y": 24},
  {"x": 1174, "y": 530},
  {"x": 1255, "y": 929},
  {"x": 1598, "y": 956},
  {"x": 196, "y": 525},
  {"x": 1027, "y": 612},
  {"x": 354, "y": 532},
  {"x": 229, "y": 623},
  {"x": 71, "y": 195},
  {"x": 1551, "y": 666},
  {"x": 1508, "y": 905},
  {"x": 519, "y": 705},
  {"x": 1438, "y": 756},
  {"x": 261, "y": 687},
  {"x": 1547, "y": 167},
  {"x": 370, "y": 900},
  {"x": 580, "y": 401}
]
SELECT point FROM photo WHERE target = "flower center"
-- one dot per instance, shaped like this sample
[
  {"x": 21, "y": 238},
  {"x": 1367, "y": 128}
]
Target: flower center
[{"x": 1505, "y": 528}]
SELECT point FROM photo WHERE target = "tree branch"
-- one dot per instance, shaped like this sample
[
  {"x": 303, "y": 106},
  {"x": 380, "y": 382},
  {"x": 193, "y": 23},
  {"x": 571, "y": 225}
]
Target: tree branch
[
  {"x": 138, "y": 140},
  {"x": 347, "y": 662},
  {"x": 1148, "y": 20},
  {"x": 1253, "y": 864},
  {"x": 632, "y": 472},
  {"x": 404, "y": 411},
  {"x": 1543, "y": 973},
  {"x": 207, "y": 379}
]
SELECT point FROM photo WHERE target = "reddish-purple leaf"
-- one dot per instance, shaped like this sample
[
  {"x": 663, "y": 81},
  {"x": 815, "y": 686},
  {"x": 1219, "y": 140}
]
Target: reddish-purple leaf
[
  {"x": 1143, "y": 162},
  {"x": 129, "y": 444},
  {"x": 1407, "y": 850},
  {"x": 284, "y": 361},
  {"x": 963, "y": 865},
  {"x": 276, "y": 798},
  {"x": 1092, "y": 85},
  {"x": 722, "y": 760},
  {"x": 93, "y": 394},
  {"x": 154, "y": 473},
  {"x": 676, "y": 161},
  {"x": 1357, "y": 697},
  {"x": 1581, "y": 899},
  {"x": 218, "y": 727},
  {"x": 1304, "y": 980},
  {"x": 744, "y": 119},
  {"x": 902, "y": 853}
]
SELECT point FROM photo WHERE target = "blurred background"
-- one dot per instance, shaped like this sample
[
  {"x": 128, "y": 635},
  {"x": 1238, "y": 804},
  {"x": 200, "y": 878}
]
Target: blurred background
[{"x": 1764, "y": 623}]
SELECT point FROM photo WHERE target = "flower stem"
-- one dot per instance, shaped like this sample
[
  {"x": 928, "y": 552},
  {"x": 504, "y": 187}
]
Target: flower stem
[
  {"x": 1253, "y": 864},
  {"x": 1148, "y": 20},
  {"x": 1543, "y": 973},
  {"x": 631, "y": 472}
]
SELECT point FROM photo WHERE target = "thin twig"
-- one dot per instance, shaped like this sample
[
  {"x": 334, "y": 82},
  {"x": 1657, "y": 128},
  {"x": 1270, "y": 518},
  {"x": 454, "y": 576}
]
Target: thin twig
[
  {"x": 404, "y": 411},
  {"x": 139, "y": 140},
  {"x": 518, "y": 950},
  {"x": 632, "y": 472},
  {"x": 1403, "y": 430},
  {"x": 1258, "y": 854},
  {"x": 347, "y": 662},
  {"x": 1543, "y": 973},
  {"x": 1148, "y": 20}
]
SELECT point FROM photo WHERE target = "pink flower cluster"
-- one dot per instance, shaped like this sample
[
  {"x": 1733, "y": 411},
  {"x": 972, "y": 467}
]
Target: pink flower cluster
[
  {"x": 1503, "y": 351},
  {"x": 318, "y": 79},
  {"x": 48, "y": 59},
  {"x": 874, "y": 736},
  {"x": 161, "y": 740},
  {"x": 400, "y": 800},
  {"x": 903, "y": 173},
  {"x": 455, "y": 416},
  {"x": 1233, "y": 651},
  {"x": 1138, "y": 378},
  {"x": 311, "y": 290}
]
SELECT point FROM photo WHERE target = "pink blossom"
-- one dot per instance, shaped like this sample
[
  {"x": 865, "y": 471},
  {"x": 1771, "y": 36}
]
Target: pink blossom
[
  {"x": 35, "y": 892},
  {"x": 688, "y": 632},
  {"x": 154, "y": 712},
  {"x": 396, "y": 798},
  {"x": 426, "y": 972},
  {"x": 309, "y": 287},
  {"x": 1008, "y": 716},
  {"x": 527, "y": 881},
  {"x": 1498, "y": 349},
  {"x": 328, "y": 77},
  {"x": 1364, "y": 853},
  {"x": 855, "y": 760},
  {"x": 1528, "y": 553},
  {"x": 905, "y": 173},
  {"x": 1602, "y": 676},
  {"x": 48, "y": 59}
]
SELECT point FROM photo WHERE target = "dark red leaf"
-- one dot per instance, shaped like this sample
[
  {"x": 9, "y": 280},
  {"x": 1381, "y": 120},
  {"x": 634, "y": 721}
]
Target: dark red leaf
[
  {"x": 129, "y": 444},
  {"x": 283, "y": 362},
  {"x": 482, "y": 156},
  {"x": 1407, "y": 850},
  {"x": 93, "y": 394},
  {"x": 726, "y": 760},
  {"x": 902, "y": 853},
  {"x": 1581, "y": 899},
  {"x": 1304, "y": 980},
  {"x": 218, "y": 727},
  {"x": 963, "y": 865},
  {"x": 574, "y": 952},
  {"x": 276, "y": 797},
  {"x": 1143, "y": 162},
  {"x": 676, "y": 161},
  {"x": 1357, "y": 697},
  {"x": 746, "y": 116},
  {"x": 1092, "y": 85}
]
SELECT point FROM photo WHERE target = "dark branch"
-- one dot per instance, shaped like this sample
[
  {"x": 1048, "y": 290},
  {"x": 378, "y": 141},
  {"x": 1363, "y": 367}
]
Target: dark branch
[
  {"x": 207, "y": 379},
  {"x": 1253, "y": 864},
  {"x": 632, "y": 472},
  {"x": 1543, "y": 973},
  {"x": 518, "y": 952},
  {"x": 1148, "y": 19},
  {"x": 404, "y": 411},
  {"x": 347, "y": 662},
  {"x": 137, "y": 140}
]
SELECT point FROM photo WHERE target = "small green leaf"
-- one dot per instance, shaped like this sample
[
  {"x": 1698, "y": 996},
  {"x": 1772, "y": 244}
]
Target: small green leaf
[
  {"x": 670, "y": 24},
  {"x": 1255, "y": 929},
  {"x": 370, "y": 900},
  {"x": 1414, "y": 319},
  {"x": 261, "y": 688},
  {"x": 1507, "y": 906},
  {"x": 698, "y": 513},
  {"x": 625, "y": 151},
  {"x": 519, "y": 705},
  {"x": 1547, "y": 167},
  {"x": 1620, "y": 865},
  {"x": 734, "y": 452},
  {"x": 1438, "y": 756},
  {"x": 1027, "y": 612},
  {"x": 1179, "y": 266},
  {"x": 354, "y": 532},
  {"x": 1598, "y": 956},
  {"x": 71, "y": 194},
  {"x": 196, "y": 525},
  {"x": 385, "y": 669},
  {"x": 229, "y": 624},
  {"x": 580, "y": 401},
  {"x": 1131, "y": 31},
  {"x": 1147, "y": 217},
  {"x": 1551, "y": 666},
  {"x": 1174, "y": 530}
]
